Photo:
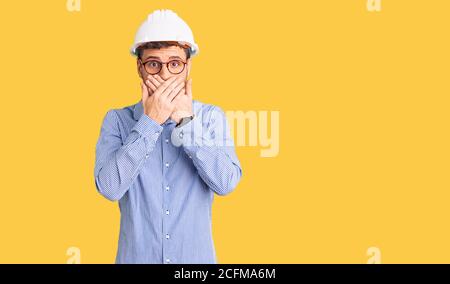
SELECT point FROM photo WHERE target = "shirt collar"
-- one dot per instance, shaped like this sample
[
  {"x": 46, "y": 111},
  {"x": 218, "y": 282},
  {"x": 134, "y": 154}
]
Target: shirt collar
[{"x": 138, "y": 110}]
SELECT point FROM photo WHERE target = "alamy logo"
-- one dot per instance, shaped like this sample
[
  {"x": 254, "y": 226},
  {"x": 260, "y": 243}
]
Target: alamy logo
[
  {"x": 374, "y": 255},
  {"x": 374, "y": 5},
  {"x": 220, "y": 129},
  {"x": 74, "y": 254},
  {"x": 73, "y": 5},
  {"x": 258, "y": 130}
]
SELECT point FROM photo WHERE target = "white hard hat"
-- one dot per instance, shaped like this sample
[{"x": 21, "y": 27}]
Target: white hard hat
[{"x": 164, "y": 25}]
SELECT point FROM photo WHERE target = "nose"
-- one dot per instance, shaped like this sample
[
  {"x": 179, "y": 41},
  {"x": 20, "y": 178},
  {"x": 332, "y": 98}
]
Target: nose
[{"x": 164, "y": 73}]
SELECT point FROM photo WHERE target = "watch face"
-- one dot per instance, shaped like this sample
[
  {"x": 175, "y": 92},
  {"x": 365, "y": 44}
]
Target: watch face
[{"x": 185, "y": 120}]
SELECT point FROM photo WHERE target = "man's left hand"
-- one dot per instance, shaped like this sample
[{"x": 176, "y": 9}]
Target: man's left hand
[{"x": 183, "y": 106}]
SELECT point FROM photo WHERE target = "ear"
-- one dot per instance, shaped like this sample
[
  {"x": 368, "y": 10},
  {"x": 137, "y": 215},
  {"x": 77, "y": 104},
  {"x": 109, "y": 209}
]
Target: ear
[
  {"x": 188, "y": 65},
  {"x": 138, "y": 66}
]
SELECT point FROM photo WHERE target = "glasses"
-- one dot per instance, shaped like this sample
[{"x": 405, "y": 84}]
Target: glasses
[{"x": 153, "y": 67}]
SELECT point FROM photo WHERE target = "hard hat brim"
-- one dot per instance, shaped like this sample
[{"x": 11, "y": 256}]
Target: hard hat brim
[{"x": 194, "y": 50}]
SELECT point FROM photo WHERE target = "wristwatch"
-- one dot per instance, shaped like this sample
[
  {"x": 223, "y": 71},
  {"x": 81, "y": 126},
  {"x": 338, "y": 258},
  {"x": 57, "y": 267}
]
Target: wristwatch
[{"x": 185, "y": 120}]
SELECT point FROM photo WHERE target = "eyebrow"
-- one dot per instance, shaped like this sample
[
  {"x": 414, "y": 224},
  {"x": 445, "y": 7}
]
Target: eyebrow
[{"x": 156, "y": 57}]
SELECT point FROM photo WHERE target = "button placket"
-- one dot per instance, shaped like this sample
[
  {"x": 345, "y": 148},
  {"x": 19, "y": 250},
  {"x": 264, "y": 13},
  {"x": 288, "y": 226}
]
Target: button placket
[{"x": 166, "y": 188}]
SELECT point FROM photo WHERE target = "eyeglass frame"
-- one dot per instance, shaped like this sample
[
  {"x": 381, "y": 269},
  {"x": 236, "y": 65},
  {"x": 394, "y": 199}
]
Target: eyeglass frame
[{"x": 163, "y": 63}]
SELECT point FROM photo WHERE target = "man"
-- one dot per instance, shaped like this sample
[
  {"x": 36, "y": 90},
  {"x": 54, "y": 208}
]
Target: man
[{"x": 164, "y": 157}]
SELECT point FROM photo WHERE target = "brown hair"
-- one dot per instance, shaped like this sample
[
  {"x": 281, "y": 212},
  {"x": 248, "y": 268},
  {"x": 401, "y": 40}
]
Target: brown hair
[{"x": 162, "y": 44}]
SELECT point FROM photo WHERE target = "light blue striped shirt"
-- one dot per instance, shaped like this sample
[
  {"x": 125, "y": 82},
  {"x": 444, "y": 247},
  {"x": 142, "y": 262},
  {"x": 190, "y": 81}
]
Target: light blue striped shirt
[{"x": 164, "y": 178}]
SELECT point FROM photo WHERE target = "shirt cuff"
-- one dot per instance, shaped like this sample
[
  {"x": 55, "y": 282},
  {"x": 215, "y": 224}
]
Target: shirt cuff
[
  {"x": 147, "y": 126},
  {"x": 189, "y": 135}
]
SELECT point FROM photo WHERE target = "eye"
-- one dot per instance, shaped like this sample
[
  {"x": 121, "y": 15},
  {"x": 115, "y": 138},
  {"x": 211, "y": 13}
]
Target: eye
[
  {"x": 153, "y": 64},
  {"x": 175, "y": 63}
]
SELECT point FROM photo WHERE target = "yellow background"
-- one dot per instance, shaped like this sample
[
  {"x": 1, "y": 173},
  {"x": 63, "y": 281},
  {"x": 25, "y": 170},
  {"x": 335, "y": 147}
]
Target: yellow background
[{"x": 364, "y": 141}]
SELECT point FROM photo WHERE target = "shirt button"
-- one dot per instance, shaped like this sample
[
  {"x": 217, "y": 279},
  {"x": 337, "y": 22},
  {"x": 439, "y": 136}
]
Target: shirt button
[
  {"x": 190, "y": 157},
  {"x": 167, "y": 165},
  {"x": 146, "y": 155},
  {"x": 167, "y": 212},
  {"x": 167, "y": 140},
  {"x": 167, "y": 188},
  {"x": 168, "y": 260},
  {"x": 167, "y": 236},
  {"x": 181, "y": 134}
]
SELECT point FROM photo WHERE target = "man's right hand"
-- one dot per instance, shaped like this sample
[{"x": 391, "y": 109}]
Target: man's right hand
[{"x": 159, "y": 105}]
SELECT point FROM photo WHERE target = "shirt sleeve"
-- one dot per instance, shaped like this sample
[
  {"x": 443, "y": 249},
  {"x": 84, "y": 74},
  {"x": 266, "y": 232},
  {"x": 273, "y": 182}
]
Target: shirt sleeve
[
  {"x": 118, "y": 163},
  {"x": 211, "y": 148}
]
